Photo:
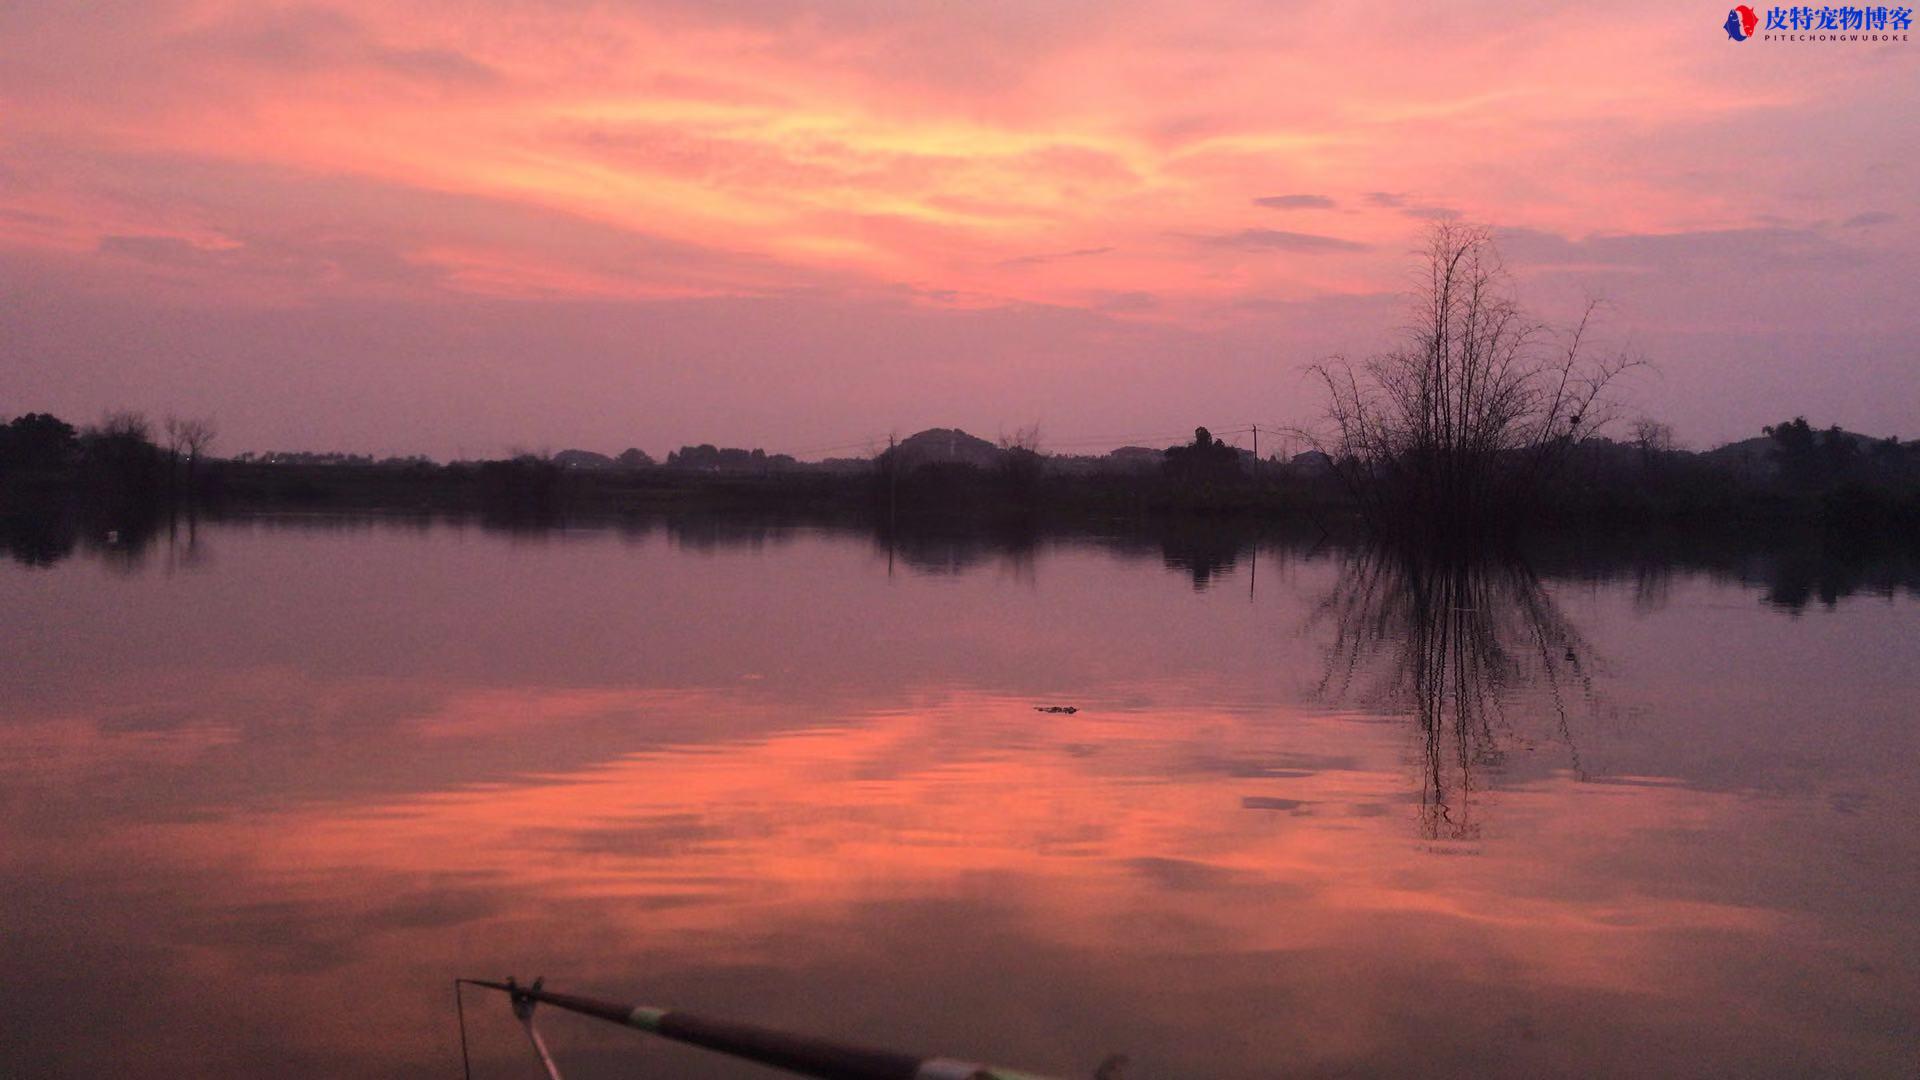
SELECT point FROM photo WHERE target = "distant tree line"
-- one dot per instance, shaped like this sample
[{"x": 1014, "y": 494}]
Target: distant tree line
[
  {"x": 305, "y": 457},
  {"x": 710, "y": 458},
  {"x": 122, "y": 466},
  {"x": 117, "y": 456},
  {"x": 1811, "y": 459}
]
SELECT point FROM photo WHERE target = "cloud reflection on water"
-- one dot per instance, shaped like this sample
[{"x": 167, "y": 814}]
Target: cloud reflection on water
[{"x": 1210, "y": 867}]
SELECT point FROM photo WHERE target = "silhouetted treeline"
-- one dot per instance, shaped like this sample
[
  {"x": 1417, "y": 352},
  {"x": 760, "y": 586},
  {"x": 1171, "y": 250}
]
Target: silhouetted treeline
[
  {"x": 303, "y": 457},
  {"x": 1792, "y": 473},
  {"x": 713, "y": 458},
  {"x": 112, "y": 475},
  {"x": 119, "y": 469}
]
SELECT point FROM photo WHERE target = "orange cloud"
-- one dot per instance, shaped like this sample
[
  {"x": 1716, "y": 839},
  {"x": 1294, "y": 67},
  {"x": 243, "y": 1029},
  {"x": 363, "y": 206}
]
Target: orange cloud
[
  {"x": 900, "y": 146},
  {"x": 211, "y": 153}
]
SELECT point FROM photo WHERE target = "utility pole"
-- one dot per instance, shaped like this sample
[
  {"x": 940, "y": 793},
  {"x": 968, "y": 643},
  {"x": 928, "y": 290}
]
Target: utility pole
[{"x": 893, "y": 497}]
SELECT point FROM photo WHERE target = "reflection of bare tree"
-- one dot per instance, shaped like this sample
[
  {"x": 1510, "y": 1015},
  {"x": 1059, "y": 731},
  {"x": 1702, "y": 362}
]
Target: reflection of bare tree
[
  {"x": 1474, "y": 648},
  {"x": 185, "y": 552}
]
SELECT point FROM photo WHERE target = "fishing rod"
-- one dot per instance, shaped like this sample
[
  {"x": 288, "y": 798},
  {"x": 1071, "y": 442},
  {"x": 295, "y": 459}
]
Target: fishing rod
[{"x": 803, "y": 1054}]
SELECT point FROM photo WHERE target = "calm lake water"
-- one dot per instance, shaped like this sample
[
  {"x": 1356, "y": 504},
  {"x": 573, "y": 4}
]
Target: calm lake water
[{"x": 1320, "y": 812}]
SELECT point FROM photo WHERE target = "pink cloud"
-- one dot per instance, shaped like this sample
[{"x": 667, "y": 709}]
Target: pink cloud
[{"x": 929, "y": 161}]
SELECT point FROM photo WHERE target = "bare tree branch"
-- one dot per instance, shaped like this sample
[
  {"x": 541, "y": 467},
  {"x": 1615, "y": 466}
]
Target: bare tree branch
[{"x": 1473, "y": 415}]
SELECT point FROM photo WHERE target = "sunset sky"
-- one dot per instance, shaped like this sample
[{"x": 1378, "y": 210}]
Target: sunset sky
[{"x": 461, "y": 228}]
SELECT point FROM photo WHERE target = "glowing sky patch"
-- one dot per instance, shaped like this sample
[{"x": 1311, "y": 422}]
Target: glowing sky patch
[{"x": 931, "y": 161}]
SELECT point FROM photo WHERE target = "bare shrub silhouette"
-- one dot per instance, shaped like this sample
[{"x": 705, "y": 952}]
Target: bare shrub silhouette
[
  {"x": 188, "y": 442},
  {"x": 1466, "y": 422}
]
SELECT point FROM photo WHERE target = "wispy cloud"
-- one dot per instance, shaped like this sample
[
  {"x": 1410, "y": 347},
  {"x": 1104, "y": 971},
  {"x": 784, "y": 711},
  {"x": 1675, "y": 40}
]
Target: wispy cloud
[
  {"x": 1280, "y": 240},
  {"x": 1055, "y": 256},
  {"x": 313, "y": 38},
  {"x": 986, "y": 157},
  {"x": 318, "y": 260},
  {"x": 1296, "y": 202}
]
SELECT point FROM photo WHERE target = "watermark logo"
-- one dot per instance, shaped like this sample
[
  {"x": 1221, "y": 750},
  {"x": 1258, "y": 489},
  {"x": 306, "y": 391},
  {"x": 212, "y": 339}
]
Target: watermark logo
[{"x": 1826, "y": 23}]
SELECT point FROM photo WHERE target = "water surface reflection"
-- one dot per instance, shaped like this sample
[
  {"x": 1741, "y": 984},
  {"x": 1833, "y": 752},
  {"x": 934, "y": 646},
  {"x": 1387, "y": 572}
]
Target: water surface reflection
[
  {"x": 1474, "y": 649},
  {"x": 1364, "y": 818}
]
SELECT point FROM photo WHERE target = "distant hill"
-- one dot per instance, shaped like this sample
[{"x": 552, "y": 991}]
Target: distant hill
[
  {"x": 1758, "y": 456},
  {"x": 582, "y": 459},
  {"x": 947, "y": 446},
  {"x": 1311, "y": 461},
  {"x": 1135, "y": 459}
]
